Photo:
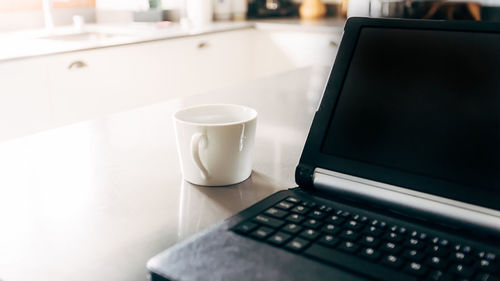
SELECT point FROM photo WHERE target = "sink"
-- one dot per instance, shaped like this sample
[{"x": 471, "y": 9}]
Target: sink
[{"x": 85, "y": 36}]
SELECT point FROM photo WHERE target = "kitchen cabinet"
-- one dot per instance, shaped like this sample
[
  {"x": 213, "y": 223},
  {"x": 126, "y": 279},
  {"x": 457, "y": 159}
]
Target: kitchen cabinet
[
  {"x": 87, "y": 84},
  {"x": 53, "y": 90},
  {"x": 24, "y": 97},
  {"x": 295, "y": 49}
]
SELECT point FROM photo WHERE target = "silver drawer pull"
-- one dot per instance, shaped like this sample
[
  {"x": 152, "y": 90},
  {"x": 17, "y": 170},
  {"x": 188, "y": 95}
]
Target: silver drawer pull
[
  {"x": 332, "y": 44},
  {"x": 77, "y": 64},
  {"x": 202, "y": 45}
]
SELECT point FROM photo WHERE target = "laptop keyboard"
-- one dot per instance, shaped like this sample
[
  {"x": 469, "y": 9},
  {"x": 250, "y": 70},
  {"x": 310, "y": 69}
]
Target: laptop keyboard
[{"x": 368, "y": 245}]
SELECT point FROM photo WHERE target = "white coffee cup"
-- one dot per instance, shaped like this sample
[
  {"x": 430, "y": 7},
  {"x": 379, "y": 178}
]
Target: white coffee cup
[{"x": 215, "y": 143}]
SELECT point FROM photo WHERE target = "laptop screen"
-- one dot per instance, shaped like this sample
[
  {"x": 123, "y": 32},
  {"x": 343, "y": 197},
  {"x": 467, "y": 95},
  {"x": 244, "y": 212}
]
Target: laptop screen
[{"x": 425, "y": 102}]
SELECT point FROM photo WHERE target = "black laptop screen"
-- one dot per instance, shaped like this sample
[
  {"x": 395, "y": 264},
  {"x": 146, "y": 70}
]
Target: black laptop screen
[{"x": 425, "y": 102}]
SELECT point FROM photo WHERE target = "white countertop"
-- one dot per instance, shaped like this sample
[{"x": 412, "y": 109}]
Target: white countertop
[
  {"x": 25, "y": 44},
  {"x": 95, "y": 200}
]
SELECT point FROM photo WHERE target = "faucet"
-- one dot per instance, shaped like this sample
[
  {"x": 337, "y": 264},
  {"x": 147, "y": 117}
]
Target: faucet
[{"x": 48, "y": 15}]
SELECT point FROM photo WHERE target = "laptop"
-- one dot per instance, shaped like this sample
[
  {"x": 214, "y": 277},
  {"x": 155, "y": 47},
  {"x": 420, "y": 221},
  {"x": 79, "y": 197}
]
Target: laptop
[{"x": 399, "y": 178}]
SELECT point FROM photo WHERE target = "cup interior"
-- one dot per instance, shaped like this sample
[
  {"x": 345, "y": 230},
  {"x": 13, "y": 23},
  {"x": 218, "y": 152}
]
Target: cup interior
[{"x": 216, "y": 114}]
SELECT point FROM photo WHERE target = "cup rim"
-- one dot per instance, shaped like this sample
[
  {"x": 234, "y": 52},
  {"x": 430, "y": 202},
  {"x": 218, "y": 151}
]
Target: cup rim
[{"x": 253, "y": 113}]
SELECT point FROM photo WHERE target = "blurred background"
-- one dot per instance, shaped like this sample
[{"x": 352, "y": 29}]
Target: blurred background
[
  {"x": 64, "y": 61},
  {"x": 23, "y": 14}
]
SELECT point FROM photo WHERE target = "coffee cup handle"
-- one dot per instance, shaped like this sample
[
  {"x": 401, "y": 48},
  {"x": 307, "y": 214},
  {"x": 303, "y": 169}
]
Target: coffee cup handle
[{"x": 196, "y": 139}]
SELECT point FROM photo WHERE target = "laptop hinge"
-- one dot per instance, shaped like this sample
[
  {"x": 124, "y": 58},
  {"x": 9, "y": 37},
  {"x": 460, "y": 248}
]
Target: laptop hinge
[
  {"x": 411, "y": 202},
  {"x": 304, "y": 175}
]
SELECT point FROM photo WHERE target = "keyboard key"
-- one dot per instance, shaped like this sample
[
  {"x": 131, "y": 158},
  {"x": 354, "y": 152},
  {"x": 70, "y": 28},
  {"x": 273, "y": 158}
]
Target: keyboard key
[
  {"x": 444, "y": 243},
  {"x": 284, "y": 205},
  {"x": 295, "y": 218},
  {"x": 398, "y": 229},
  {"x": 267, "y": 221},
  {"x": 317, "y": 214},
  {"x": 440, "y": 241},
  {"x": 277, "y": 213},
  {"x": 461, "y": 258},
  {"x": 349, "y": 234},
  {"x": 348, "y": 246},
  {"x": 462, "y": 270},
  {"x": 324, "y": 208},
  {"x": 393, "y": 237},
  {"x": 354, "y": 225},
  {"x": 328, "y": 240},
  {"x": 463, "y": 249},
  {"x": 438, "y": 251},
  {"x": 293, "y": 200},
  {"x": 373, "y": 231},
  {"x": 292, "y": 228},
  {"x": 423, "y": 236},
  {"x": 402, "y": 230},
  {"x": 297, "y": 244},
  {"x": 380, "y": 224},
  {"x": 418, "y": 235},
  {"x": 437, "y": 262},
  {"x": 309, "y": 204},
  {"x": 309, "y": 234},
  {"x": 262, "y": 232},
  {"x": 357, "y": 264},
  {"x": 312, "y": 223},
  {"x": 393, "y": 261},
  {"x": 415, "y": 244},
  {"x": 391, "y": 248},
  {"x": 486, "y": 265},
  {"x": 370, "y": 241},
  {"x": 336, "y": 220},
  {"x": 486, "y": 255},
  {"x": 343, "y": 214},
  {"x": 360, "y": 219},
  {"x": 245, "y": 227},
  {"x": 486, "y": 277},
  {"x": 279, "y": 238},
  {"x": 415, "y": 268},
  {"x": 300, "y": 210},
  {"x": 438, "y": 275},
  {"x": 370, "y": 254},
  {"x": 413, "y": 255},
  {"x": 330, "y": 229}
]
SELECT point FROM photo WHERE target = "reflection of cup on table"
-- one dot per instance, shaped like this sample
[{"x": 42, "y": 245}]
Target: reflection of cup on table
[{"x": 215, "y": 143}]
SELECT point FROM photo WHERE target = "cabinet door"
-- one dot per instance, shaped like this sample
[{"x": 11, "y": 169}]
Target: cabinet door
[
  {"x": 293, "y": 49},
  {"x": 199, "y": 64},
  {"x": 222, "y": 59},
  {"x": 24, "y": 98},
  {"x": 83, "y": 83},
  {"x": 90, "y": 83}
]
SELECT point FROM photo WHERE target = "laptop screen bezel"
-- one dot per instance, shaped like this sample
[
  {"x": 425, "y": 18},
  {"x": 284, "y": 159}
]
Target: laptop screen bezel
[{"x": 312, "y": 155}]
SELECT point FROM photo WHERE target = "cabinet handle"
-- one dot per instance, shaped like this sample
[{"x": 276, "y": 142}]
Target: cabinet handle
[
  {"x": 332, "y": 44},
  {"x": 77, "y": 64},
  {"x": 202, "y": 45}
]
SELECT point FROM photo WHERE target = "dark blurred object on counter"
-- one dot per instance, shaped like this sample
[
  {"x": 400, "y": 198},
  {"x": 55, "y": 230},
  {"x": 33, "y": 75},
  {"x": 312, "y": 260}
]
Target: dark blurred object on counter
[
  {"x": 490, "y": 13},
  {"x": 444, "y": 10},
  {"x": 435, "y": 9},
  {"x": 270, "y": 8}
]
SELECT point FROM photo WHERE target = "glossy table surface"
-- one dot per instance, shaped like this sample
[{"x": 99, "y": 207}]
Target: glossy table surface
[{"x": 96, "y": 199}]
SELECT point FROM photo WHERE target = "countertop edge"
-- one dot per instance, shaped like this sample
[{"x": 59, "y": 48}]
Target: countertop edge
[{"x": 282, "y": 25}]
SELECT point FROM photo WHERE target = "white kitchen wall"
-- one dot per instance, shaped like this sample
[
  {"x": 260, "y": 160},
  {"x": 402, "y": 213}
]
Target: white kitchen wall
[
  {"x": 34, "y": 19},
  {"x": 134, "y": 5},
  {"x": 167, "y": 4},
  {"x": 324, "y": 1}
]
